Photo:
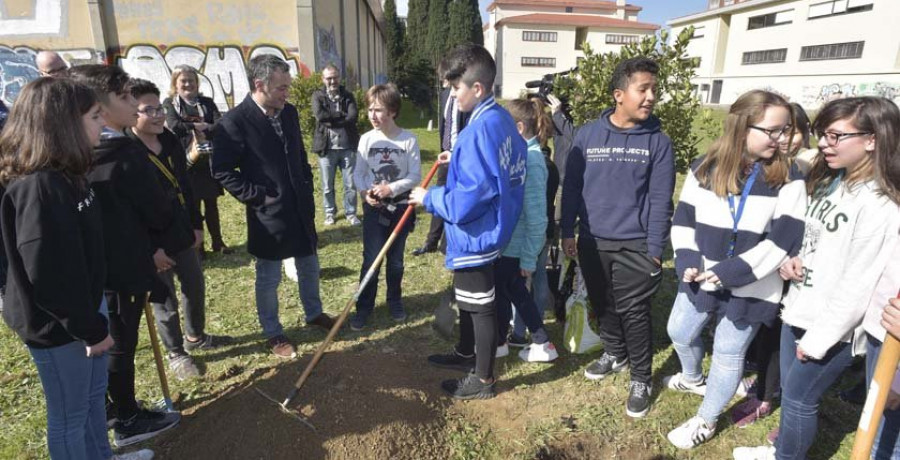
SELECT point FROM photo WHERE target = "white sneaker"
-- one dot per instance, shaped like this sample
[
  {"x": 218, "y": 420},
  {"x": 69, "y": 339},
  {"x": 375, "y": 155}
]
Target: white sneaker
[
  {"x": 691, "y": 434},
  {"x": 539, "y": 353},
  {"x": 744, "y": 387},
  {"x": 143, "y": 454},
  {"x": 676, "y": 382},
  {"x": 502, "y": 351},
  {"x": 754, "y": 453}
]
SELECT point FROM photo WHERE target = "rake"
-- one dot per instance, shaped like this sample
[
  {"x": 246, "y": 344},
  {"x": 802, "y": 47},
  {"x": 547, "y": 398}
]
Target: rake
[{"x": 284, "y": 405}]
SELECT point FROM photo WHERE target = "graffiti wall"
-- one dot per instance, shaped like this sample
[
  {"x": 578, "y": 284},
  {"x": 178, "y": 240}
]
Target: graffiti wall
[
  {"x": 17, "y": 67},
  {"x": 223, "y": 74},
  {"x": 820, "y": 94}
]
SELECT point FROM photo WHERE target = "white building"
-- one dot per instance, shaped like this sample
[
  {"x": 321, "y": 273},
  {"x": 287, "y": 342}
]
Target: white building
[
  {"x": 809, "y": 50},
  {"x": 530, "y": 38}
]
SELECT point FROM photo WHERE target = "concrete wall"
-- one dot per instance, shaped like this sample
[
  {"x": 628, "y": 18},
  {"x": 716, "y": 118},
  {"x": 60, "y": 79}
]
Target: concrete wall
[{"x": 150, "y": 37}]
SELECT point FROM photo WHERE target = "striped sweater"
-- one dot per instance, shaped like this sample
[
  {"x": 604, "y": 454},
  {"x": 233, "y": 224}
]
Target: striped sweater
[{"x": 770, "y": 229}]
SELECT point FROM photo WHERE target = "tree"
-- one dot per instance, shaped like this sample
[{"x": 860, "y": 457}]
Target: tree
[
  {"x": 437, "y": 44},
  {"x": 464, "y": 24},
  {"x": 417, "y": 28},
  {"x": 300, "y": 96},
  {"x": 414, "y": 79},
  {"x": 587, "y": 88},
  {"x": 393, "y": 32}
]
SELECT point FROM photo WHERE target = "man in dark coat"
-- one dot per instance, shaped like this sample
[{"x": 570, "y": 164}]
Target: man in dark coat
[{"x": 260, "y": 160}]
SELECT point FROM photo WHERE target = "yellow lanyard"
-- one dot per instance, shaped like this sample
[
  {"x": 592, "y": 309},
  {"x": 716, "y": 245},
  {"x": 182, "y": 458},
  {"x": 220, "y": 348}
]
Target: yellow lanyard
[{"x": 160, "y": 166}]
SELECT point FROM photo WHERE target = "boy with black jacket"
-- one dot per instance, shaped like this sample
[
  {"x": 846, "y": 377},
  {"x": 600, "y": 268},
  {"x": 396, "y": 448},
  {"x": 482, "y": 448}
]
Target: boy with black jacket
[
  {"x": 480, "y": 205},
  {"x": 133, "y": 203},
  {"x": 178, "y": 244},
  {"x": 619, "y": 181}
]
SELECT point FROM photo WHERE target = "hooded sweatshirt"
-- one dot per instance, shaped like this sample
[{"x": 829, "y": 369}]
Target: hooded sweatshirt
[{"x": 619, "y": 185}]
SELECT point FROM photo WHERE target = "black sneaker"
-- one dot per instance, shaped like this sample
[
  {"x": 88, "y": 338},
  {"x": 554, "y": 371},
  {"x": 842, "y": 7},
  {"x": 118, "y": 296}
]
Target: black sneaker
[
  {"x": 638, "y": 399},
  {"x": 517, "y": 342},
  {"x": 207, "y": 342},
  {"x": 603, "y": 367},
  {"x": 142, "y": 426},
  {"x": 468, "y": 387},
  {"x": 453, "y": 361}
]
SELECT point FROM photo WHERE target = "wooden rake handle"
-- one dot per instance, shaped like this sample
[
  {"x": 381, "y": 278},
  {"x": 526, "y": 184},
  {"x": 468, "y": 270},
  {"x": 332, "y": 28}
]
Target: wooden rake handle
[{"x": 362, "y": 285}]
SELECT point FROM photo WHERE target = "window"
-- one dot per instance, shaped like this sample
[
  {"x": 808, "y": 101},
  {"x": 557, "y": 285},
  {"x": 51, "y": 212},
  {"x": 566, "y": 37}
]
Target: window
[
  {"x": 568, "y": 9},
  {"x": 535, "y": 36},
  {"x": 764, "y": 56},
  {"x": 580, "y": 37},
  {"x": 699, "y": 32},
  {"x": 771, "y": 19},
  {"x": 850, "y": 50},
  {"x": 836, "y": 7},
  {"x": 617, "y": 39},
  {"x": 538, "y": 62}
]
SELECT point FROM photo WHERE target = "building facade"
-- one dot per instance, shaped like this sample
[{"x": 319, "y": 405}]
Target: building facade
[
  {"x": 148, "y": 38},
  {"x": 531, "y": 38},
  {"x": 811, "y": 51}
]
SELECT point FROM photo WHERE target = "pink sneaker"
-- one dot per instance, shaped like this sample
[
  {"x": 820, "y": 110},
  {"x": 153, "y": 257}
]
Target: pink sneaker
[
  {"x": 750, "y": 411},
  {"x": 772, "y": 436}
]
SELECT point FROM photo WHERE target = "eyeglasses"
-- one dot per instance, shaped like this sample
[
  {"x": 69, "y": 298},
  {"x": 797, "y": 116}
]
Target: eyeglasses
[
  {"x": 774, "y": 134},
  {"x": 834, "y": 139},
  {"x": 153, "y": 112},
  {"x": 54, "y": 72}
]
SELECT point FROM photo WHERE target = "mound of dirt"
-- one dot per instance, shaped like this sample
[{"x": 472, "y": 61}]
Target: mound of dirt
[{"x": 363, "y": 404}]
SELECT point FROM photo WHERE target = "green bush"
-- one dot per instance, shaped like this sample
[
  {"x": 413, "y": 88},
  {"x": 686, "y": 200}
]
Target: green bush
[
  {"x": 300, "y": 96},
  {"x": 588, "y": 89}
]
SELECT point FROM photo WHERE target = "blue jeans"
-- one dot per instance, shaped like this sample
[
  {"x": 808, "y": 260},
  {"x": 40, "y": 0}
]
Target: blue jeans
[
  {"x": 540, "y": 291},
  {"x": 329, "y": 163},
  {"x": 802, "y": 385},
  {"x": 75, "y": 392},
  {"x": 729, "y": 347},
  {"x": 377, "y": 228},
  {"x": 268, "y": 277},
  {"x": 886, "y": 445}
]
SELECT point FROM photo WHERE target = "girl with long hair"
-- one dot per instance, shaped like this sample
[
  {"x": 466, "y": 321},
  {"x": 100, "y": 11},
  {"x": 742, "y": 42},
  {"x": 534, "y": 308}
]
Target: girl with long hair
[{"x": 739, "y": 217}]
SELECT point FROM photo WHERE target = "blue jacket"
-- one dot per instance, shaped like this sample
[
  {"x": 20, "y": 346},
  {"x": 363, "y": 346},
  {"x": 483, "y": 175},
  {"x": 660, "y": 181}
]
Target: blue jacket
[
  {"x": 528, "y": 237},
  {"x": 481, "y": 202},
  {"x": 619, "y": 184}
]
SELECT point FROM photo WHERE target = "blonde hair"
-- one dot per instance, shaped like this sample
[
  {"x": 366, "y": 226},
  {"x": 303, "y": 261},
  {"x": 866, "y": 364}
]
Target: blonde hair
[
  {"x": 722, "y": 169},
  {"x": 532, "y": 113},
  {"x": 179, "y": 70}
]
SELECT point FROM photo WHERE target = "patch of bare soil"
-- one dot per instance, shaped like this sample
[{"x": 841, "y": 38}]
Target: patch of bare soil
[{"x": 374, "y": 403}]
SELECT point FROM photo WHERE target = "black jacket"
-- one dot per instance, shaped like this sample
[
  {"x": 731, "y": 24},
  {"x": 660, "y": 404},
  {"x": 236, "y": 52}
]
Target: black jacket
[
  {"x": 133, "y": 204},
  {"x": 179, "y": 235},
  {"x": 462, "y": 118},
  {"x": 53, "y": 236},
  {"x": 327, "y": 116},
  {"x": 251, "y": 162}
]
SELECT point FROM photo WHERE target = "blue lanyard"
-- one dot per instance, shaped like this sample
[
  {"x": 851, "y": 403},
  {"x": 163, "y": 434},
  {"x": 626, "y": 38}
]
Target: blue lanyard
[{"x": 736, "y": 214}]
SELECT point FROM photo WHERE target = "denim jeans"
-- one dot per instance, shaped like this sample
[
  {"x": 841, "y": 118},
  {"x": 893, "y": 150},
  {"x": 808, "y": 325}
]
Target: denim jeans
[
  {"x": 730, "y": 344},
  {"x": 886, "y": 445},
  {"x": 268, "y": 277},
  {"x": 329, "y": 163},
  {"x": 75, "y": 392},
  {"x": 540, "y": 291},
  {"x": 802, "y": 385},
  {"x": 377, "y": 228}
]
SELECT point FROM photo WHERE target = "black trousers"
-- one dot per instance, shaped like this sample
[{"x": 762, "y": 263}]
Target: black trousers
[
  {"x": 512, "y": 291},
  {"x": 436, "y": 230},
  {"x": 620, "y": 286},
  {"x": 767, "y": 350},
  {"x": 125, "y": 310},
  {"x": 475, "y": 297},
  {"x": 211, "y": 216}
]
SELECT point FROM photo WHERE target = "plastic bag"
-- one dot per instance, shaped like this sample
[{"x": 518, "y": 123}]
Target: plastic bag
[{"x": 578, "y": 335}]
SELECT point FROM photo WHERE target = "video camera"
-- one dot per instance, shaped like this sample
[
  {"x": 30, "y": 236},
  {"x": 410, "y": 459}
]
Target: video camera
[{"x": 545, "y": 85}]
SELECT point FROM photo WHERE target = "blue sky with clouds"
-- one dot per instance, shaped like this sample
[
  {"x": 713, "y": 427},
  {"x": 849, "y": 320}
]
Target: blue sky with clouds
[{"x": 655, "y": 11}]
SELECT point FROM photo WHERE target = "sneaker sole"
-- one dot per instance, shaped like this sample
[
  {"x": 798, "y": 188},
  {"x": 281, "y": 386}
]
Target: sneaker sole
[
  {"x": 640, "y": 414},
  {"x": 479, "y": 395},
  {"x": 455, "y": 367},
  {"x": 614, "y": 370},
  {"x": 142, "y": 437}
]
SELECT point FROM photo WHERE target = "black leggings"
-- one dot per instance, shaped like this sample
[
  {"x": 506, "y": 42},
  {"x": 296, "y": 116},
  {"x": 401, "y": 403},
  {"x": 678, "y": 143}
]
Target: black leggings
[
  {"x": 125, "y": 310},
  {"x": 474, "y": 288},
  {"x": 767, "y": 350}
]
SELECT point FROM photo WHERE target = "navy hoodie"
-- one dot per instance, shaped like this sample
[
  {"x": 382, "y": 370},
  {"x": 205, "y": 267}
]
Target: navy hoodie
[{"x": 619, "y": 184}]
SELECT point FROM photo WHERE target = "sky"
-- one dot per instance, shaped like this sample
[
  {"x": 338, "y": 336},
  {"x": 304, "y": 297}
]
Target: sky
[{"x": 655, "y": 11}]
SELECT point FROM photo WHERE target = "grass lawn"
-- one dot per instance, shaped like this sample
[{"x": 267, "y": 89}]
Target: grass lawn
[{"x": 541, "y": 412}]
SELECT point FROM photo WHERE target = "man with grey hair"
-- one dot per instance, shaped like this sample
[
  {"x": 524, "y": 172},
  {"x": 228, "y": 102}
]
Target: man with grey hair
[
  {"x": 260, "y": 160},
  {"x": 50, "y": 64},
  {"x": 335, "y": 141}
]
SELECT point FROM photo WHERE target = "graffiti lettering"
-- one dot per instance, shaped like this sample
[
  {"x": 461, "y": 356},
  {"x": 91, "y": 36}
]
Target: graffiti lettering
[
  {"x": 813, "y": 95},
  {"x": 17, "y": 67}
]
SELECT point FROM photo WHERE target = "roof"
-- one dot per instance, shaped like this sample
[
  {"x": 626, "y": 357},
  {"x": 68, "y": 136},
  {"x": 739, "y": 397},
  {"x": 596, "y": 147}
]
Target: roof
[
  {"x": 578, "y": 20},
  {"x": 564, "y": 3},
  {"x": 708, "y": 13}
]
